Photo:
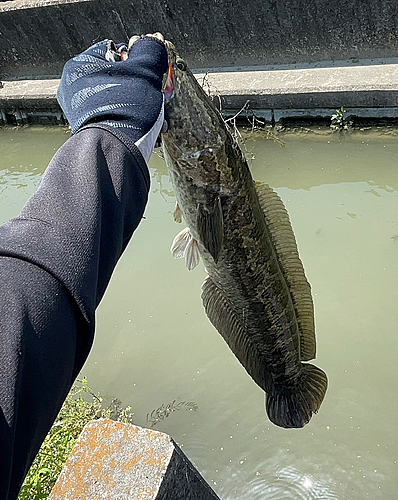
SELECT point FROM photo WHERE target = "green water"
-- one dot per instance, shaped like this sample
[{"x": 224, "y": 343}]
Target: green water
[{"x": 154, "y": 343}]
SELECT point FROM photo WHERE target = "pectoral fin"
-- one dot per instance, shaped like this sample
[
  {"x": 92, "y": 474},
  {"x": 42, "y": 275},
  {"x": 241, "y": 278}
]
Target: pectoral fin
[
  {"x": 185, "y": 245},
  {"x": 210, "y": 227},
  {"x": 192, "y": 255}
]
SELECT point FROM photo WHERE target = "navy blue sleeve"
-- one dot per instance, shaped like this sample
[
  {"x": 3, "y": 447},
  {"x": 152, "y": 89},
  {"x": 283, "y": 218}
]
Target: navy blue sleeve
[{"x": 56, "y": 260}]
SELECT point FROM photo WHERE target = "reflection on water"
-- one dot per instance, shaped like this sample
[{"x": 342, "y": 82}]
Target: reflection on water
[{"x": 155, "y": 345}]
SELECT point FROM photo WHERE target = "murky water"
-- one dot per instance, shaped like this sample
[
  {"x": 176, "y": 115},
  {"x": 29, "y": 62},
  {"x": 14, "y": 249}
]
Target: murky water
[{"x": 155, "y": 345}]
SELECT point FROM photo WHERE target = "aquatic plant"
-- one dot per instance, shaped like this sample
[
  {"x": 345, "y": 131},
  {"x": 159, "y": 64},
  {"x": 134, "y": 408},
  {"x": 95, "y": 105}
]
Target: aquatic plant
[
  {"x": 338, "y": 120},
  {"x": 81, "y": 405},
  {"x": 165, "y": 410}
]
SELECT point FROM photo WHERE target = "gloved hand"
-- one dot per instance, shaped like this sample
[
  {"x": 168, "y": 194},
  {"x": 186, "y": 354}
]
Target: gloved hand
[{"x": 124, "y": 95}]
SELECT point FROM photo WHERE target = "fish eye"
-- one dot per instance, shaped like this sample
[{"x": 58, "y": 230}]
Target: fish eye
[{"x": 181, "y": 64}]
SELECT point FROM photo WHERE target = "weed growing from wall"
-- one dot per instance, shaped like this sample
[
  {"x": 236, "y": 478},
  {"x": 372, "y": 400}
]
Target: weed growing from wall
[{"x": 80, "y": 406}]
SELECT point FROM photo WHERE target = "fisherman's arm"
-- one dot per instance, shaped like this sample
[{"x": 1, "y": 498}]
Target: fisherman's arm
[{"x": 57, "y": 257}]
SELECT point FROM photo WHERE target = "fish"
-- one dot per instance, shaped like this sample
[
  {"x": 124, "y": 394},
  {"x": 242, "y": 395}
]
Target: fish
[{"x": 256, "y": 293}]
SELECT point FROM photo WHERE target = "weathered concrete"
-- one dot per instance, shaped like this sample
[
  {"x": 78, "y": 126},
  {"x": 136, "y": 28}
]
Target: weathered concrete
[
  {"x": 38, "y": 36},
  {"x": 29, "y": 94},
  {"x": 116, "y": 461},
  {"x": 310, "y": 93},
  {"x": 288, "y": 59},
  {"x": 309, "y": 88},
  {"x": 30, "y": 101}
]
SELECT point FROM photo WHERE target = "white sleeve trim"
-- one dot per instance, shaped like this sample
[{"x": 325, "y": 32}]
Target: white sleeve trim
[{"x": 146, "y": 143}]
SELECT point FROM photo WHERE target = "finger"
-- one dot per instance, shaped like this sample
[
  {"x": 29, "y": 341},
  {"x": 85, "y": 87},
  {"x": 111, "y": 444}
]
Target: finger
[
  {"x": 147, "y": 54},
  {"x": 135, "y": 38},
  {"x": 122, "y": 51},
  {"x": 132, "y": 40},
  {"x": 157, "y": 35},
  {"x": 116, "y": 53},
  {"x": 111, "y": 54}
]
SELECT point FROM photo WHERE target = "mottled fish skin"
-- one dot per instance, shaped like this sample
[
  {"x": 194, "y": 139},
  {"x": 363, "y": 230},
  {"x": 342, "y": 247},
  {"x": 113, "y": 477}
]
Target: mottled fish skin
[{"x": 246, "y": 287}]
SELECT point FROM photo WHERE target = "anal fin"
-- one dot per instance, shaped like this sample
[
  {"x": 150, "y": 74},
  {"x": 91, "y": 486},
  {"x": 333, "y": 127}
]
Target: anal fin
[{"x": 230, "y": 326}]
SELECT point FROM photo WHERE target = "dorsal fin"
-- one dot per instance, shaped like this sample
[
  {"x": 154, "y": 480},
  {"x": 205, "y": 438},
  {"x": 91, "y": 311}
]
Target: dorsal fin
[{"x": 278, "y": 222}]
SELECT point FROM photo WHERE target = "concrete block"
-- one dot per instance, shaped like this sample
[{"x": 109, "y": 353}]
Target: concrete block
[
  {"x": 309, "y": 88},
  {"x": 265, "y": 115},
  {"x": 116, "y": 461},
  {"x": 304, "y": 114},
  {"x": 373, "y": 113},
  {"x": 326, "y": 113}
]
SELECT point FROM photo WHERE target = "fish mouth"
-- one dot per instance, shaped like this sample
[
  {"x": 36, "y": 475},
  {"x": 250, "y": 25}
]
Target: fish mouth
[{"x": 168, "y": 89}]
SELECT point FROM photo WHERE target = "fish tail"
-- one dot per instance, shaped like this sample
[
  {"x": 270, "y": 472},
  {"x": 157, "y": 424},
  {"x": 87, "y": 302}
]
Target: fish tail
[{"x": 293, "y": 407}]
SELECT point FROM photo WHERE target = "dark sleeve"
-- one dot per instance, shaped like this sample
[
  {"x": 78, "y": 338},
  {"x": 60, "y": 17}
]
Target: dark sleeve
[{"x": 56, "y": 260}]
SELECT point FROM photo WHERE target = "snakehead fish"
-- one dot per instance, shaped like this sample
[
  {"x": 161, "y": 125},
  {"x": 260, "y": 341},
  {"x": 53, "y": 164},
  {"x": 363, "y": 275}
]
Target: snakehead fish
[{"x": 256, "y": 294}]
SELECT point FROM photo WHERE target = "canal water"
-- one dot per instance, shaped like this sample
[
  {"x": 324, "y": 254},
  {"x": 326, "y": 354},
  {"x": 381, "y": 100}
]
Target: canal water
[{"x": 154, "y": 345}]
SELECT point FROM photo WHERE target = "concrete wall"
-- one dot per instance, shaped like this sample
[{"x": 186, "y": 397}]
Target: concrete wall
[
  {"x": 37, "y": 37},
  {"x": 117, "y": 461}
]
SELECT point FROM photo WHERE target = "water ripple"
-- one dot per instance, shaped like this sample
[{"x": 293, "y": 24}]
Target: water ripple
[{"x": 288, "y": 484}]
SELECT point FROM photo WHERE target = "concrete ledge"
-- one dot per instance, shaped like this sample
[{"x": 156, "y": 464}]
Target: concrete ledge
[
  {"x": 383, "y": 77},
  {"x": 310, "y": 93},
  {"x": 29, "y": 94},
  {"x": 116, "y": 461},
  {"x": 280, "y": 115},
  {"x": 309, "y": 88},
  {"x": 30, "y": 101}
]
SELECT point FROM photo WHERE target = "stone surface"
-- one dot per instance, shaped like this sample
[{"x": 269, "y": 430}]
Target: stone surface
[
  {"x": 39, "y": 36},
  {"x": 29, "y": 93},
  {"x": 116, "y": 461},
  {"x": 360, "y": 86},
  {"x": 285, "y": 58},
  {"x": 272, "y": 95}
]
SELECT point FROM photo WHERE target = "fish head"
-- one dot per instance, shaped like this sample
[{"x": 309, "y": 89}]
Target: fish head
[{"x": 196, "y": 134}]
